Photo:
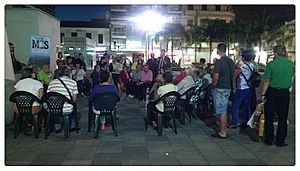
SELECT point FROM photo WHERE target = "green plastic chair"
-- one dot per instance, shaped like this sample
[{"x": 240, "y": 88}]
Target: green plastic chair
[
  {"x": 54, "y": 102},
  {"x": 24, "y": 101},
  {"x": 108, "y": 106}
]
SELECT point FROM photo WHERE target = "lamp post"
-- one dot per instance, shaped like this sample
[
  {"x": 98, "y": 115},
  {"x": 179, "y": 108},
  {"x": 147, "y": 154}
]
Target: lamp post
[{"x": 151, "y": 22}]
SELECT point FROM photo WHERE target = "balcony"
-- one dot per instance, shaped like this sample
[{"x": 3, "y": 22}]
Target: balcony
[{"x": 216, "y": 14}]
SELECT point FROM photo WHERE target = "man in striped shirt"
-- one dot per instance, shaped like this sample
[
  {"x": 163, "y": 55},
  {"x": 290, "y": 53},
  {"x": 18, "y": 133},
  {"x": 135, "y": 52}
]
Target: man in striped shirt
[{"x": 56, "y": 86}]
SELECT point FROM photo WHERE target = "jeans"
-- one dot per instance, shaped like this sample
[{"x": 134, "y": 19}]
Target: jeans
[
  {"x": 241, "y": 97},
  {"x": 80, "y": 86}
]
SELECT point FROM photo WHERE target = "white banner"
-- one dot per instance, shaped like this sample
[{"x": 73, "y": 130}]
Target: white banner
[{"x": 40, "y": 50}]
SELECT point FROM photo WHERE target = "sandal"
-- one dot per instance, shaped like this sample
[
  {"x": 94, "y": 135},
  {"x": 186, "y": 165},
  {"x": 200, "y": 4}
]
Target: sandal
[{"x": 217, "y": 135}]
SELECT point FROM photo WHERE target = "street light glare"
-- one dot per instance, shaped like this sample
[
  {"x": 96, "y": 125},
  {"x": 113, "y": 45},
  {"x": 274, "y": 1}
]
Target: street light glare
[{"x": 150, "y": 21}]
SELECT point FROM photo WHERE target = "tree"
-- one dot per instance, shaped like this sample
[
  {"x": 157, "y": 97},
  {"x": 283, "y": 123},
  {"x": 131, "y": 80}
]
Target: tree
[
  {"x": 170, "y": 30},
  {"x": 195, "y": 36}
]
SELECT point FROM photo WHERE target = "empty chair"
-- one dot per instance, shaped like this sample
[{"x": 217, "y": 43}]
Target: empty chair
[
  {"x": 54, "y": 103},
  {"x": 107, "y": 108},
  {"x": 24, "y": 102},
  {"x": 169, "y": 102}
]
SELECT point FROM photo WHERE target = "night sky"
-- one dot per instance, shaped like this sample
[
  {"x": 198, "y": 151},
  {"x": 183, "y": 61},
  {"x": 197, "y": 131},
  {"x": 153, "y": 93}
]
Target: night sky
[
  {"x": 278, "y": 13},
  {"x": 80, "y": 12}
]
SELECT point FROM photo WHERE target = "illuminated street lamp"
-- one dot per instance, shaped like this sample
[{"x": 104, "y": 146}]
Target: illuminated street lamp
[{"x": 151, "y": 22}]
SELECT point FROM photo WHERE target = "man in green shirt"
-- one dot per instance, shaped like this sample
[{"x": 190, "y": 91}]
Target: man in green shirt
[
  {"x": 278, "y": 78},
  {"x": 45, "y": 76}
]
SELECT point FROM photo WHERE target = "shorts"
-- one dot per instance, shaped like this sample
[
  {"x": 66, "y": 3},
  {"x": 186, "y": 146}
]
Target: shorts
[{"x": 220, "y": 97}]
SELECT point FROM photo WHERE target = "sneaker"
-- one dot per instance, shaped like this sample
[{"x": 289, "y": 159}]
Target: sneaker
[
  {"x": 232, "y": 126},
  {"x": 130, "y": 96}
]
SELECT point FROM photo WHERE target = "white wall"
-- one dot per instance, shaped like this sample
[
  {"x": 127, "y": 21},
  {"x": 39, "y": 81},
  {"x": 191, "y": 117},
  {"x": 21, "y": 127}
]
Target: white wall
[
  {"x": 21, "y": 23},
  {"x": 49, "y": 26}
]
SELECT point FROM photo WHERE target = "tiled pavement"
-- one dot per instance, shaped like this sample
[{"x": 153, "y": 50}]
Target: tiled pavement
[{"x": 191, "y": 146}]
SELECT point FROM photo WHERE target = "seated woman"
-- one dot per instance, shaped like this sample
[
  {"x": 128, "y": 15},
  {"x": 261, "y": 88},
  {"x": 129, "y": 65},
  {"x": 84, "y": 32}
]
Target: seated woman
[
  {"x": 162, "y": 90},
  {"x": 158, "y": 81},
  {"x": 135, "y": 80},
  {"x": 95, "y": 75},
  {"x": 29, "y": 84},
  {"x": 103, "y": 87},
  {"x": 124, "y": 80}
]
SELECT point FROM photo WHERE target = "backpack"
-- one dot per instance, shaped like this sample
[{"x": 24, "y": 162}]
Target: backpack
[{"x": 255, "y": 78}]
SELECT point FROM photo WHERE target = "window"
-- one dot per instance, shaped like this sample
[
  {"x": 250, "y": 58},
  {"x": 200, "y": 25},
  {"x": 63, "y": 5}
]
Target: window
[
  {"x": 73, "y": 34},
  {"x": 204, "y": 7},
  {"x": 218, "y": 7},
  {"x": 190, "y": 23},
  {"x": 292, "y": 31},
  {"x": 61, "y": 36},
  {"x": 88, "y": 35},
  {"x": 190, "y": 7},
  {"x": 100, "y": 38}
]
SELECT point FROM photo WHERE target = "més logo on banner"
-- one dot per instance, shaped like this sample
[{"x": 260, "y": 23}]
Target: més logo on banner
[{"x": 39, "y": 51}]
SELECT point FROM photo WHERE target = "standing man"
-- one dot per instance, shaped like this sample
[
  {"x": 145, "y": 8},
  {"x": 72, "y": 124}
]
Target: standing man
[
  {"x": 153, "y": 67},
  {"x": 222, "y": 84},
  {"x": 163, "y": 60},
  {"x": 278, "y": 78}
]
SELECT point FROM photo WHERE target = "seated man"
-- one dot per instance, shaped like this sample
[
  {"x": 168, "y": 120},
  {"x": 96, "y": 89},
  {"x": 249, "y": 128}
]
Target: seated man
[
  {"x": 103, "y": 87},
  {"x": 45, "y": 75},
  {"x": 146, "y": 79},
  {"x": 28, "y": 84},
  {"x": 186, "y": 83},
  {"x": 56, "y": 86},
  {"x": 162, "y": 90}
]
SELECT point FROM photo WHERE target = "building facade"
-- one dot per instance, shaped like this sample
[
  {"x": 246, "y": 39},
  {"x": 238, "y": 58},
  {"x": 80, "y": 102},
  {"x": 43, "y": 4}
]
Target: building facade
[
  {"x": 92, "y": 38},
  {"x": 129, "y": 38},
  {"x": 192, "y": 16}
]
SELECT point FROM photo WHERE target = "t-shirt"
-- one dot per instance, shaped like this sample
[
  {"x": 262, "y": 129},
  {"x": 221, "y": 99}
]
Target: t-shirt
[
  {"x": 56, "y": 86},
  {"x": 280, "y": 72},
  {"x": 185, "y": 84},
  {"x": 29, "y": 85},
  {"x": 135, "y": 74},
  {"x": 222, "y": 68},
  {"x": 44, "y": 76},
  {"x": 146, "y": 76},
  {"x": 101, "y": 89},
  {"x": 80, "y": 74},
  {"x": 241, "y": 82},
  {"x": 162, "y": 90}
]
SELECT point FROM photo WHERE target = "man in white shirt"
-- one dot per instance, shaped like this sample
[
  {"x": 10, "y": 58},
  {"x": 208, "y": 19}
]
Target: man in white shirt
[
  {"x": 162, "y": 90},
  {"x": 30, "y": 85},
  {"x": 56, "y": 86},
  {"x": 186, "y": 83}
]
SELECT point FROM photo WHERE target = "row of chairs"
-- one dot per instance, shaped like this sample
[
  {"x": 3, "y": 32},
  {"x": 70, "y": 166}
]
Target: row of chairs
[
  {"x": 52, "y": 107},
  {"x": 176, "y": 107}
]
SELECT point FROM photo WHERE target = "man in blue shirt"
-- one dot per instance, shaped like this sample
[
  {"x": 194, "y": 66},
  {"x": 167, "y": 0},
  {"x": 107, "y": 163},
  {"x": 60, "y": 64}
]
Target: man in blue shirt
[{"x": 105, "y": 86}]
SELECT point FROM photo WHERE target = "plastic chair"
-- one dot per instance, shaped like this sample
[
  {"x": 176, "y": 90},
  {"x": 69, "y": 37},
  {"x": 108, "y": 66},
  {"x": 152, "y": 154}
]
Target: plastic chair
[
  {"x": 24, "y": 101},
  {"x": 206, "y": 102},
  {"x": 186, "y": 106},
  {"x": 169, "y": 102},
  {"x": 108, "y": 105},
  {"x": 54, "y": 104}
]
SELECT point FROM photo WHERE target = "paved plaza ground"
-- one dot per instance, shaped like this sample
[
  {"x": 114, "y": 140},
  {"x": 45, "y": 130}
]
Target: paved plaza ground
[{"x": 193, "y": 144}]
